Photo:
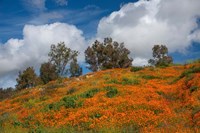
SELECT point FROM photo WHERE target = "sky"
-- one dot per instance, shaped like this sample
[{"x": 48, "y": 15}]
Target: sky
[{"x": 29, "y": 27}]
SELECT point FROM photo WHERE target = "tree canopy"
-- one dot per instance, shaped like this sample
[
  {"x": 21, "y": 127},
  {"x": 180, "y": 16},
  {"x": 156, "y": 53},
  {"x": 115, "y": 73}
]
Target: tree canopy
[
  {"x": 26, "y": 79},
  {"x": 48, "y": 72},
  {"x": 106, "y": 55},
  {"x": 160, "y": 56},
  {"x": 60, "y": 56}
]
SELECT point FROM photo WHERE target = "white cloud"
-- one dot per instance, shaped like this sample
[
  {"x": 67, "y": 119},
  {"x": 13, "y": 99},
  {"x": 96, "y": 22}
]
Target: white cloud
[
  {"x": 35, "y": 5},
  {"x": 32, "y": 50},
  {"x": 40, "y": 5},
  {"x": 61, "y": 2},
  {"x": 146, "y": 23}
]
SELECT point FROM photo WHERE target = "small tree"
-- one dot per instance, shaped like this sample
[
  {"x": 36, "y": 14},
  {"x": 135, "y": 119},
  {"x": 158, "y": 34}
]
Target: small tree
[
  {"x": 26, "y": 79},
  {"x": 48, "y": 72},
  {"x": 75, "y": 70},
  {"x": 107, "y": 55},
  {"x": 160, "y": 56},
  {"x": 60, "y": 55}
]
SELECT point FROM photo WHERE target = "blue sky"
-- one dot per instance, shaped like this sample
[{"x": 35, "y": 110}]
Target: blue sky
[
  {"x": 29, "y": 27},
  {"x": 14, "y": 14}
]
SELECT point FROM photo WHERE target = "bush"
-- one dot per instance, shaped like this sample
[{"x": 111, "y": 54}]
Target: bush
[
  {"x": 113, "y": 81},
  {"x": 55, "y": 106},
  {"x": 90, "y": 93},
  {"x": 111, "y": 91},
  {"x": 135, "y": 69},
  {"x": 70, "y": 102}
]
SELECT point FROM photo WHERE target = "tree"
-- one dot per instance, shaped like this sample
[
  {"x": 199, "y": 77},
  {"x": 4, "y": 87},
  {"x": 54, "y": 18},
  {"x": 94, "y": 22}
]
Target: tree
[
  {"x": 75, "y": 70},
  {"x": 107, "y": 55},
  {"x": 6, "y": 93},
  {"x": 26, "y": 79},
  {"x": 48, "y": 72},
  {"x": 160, "y": 56},
  {"x": 60, "y": 55}
]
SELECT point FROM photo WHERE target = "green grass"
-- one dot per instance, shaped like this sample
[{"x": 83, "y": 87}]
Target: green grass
[
  {"x": 111, "y": 91},
  {"x": 149, "y": 77},
  {"x": 90, "y": 93},
  {"x": 127, "y": 81},
  {"x": 135, "y": 69}
]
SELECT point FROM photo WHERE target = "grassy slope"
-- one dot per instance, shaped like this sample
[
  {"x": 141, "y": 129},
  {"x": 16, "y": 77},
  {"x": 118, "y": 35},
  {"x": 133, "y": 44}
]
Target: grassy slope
[{"x": 117, "y": 100}]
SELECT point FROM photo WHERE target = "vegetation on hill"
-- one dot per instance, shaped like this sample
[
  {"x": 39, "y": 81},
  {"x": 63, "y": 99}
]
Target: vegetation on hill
[{"x": 137, "y": 99}]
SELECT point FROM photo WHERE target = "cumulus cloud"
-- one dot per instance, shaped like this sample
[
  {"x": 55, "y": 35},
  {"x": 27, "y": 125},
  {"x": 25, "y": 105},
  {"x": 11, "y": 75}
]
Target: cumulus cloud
[
  {"x": 146, "y": 23},
  {"x": 32, "y": 50}
]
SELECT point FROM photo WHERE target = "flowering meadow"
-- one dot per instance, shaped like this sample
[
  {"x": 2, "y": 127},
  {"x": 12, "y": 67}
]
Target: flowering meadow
[{"x": 137, "y": 99}]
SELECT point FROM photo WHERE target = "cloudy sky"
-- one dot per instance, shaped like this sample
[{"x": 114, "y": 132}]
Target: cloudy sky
[{"x": 29, "y": 27}]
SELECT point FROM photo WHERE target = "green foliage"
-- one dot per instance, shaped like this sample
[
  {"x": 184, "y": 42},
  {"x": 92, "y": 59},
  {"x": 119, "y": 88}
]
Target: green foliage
[
  {"x": 70, "y": 102},
  {"x": 48, "y": 72},
  {"x": 160, "y": 55},
  {"x": 195, "y": 110},
  {"x": 16, "y": 123},
  {"x": 190, "y": 71},
  {"x": 75, "y": 70},
  {"x": 90, "y": 93},
  {"x": 113, "y": 81},
  {"x": 194, "y": 88},
  {"x": 107, "y": 55},
  {"x": 188, "y": 74},
  {"x": 56, "y": 106},
  {"x": 96, "y": 115},
  {"x": 60, "y": 56},
  {"x": 27, "y": 79},
  {"x": 6, "y": 93},
  {"x": 30, "y": 103},
  {"x": 127, "y": 81},
  {"x": 149, "y": 77},
  {"x": 135, "y": 69},
  {"x": 111, "y": 91}
]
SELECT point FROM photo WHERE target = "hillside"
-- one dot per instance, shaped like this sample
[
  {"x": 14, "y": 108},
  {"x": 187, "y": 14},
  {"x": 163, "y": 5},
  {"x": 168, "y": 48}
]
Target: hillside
[{"x": 116, "y": 100}]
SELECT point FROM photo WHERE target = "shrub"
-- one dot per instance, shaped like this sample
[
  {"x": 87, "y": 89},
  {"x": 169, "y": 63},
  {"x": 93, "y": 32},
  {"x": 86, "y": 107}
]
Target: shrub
[
  {"x": 90, "y": 93},
  {"x": 55, "y": 106},
  {"x": 48, "y": 72},
  {"x": 126, "y": 81},
  {"x": 70, "y": 102},
  {"x": 135, "y": 69},
  {"x": 27, "y": 79},
  {"x": 111, "y": 91},
  {"x": 113, "y": 81}
]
